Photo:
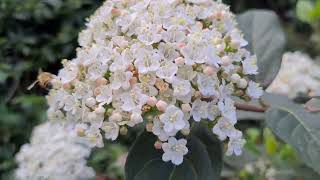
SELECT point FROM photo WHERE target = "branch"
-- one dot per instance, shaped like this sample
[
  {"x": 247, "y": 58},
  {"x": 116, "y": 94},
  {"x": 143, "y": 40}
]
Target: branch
[{"x": 248, "y": 107}]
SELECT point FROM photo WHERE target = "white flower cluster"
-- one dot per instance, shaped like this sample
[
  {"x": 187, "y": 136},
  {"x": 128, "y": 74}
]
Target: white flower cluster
[
  {"x": 53, "y": 153},
  {"x": 298, "y": 74},
  {"x": 168, "y": 62}
]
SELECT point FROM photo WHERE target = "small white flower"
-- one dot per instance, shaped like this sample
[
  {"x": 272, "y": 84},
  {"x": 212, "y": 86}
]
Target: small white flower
[
  {"x": 111, "y": 130},
  {"x": 135, "y": 119},
  {"x": 235, "y": 146},
  {"x": 193, "y": 53},
  {"x": 226, "y": 106},
  {"x": 250, "y": 65},
  {"x": 120, "y": 79},
  {"x": 96, "y": 70},
  {"x": 174, "y": 150},
  {"x": 172, "y": 119},
  {"x": 224, "y": 129},
  {"x": 213, "y": 111},
  {"x": 168, "y": 51},
  {"x": 173, "y": 35},
  {"x": 68, "y": 73},
  {"x": 207, "y": 85},
  {"x": 147, "y": 62},
  {"x": 167, "y": 70},
  {"x": 199, "y": 110},
  {"x": 105, "y": 96},
  {"x": 253, "y": 90},
  {"x": 149, "y": 34},
  {"x": 181, "y": 87},
  {"x": 237, "y": 38},
  {"x": 133, "y": 99},
  {"x": 186, "y": 72},
  {"x": 158, "y": 130}
]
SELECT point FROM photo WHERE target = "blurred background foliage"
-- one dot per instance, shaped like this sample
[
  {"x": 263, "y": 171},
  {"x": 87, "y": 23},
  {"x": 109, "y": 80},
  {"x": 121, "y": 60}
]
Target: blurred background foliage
[{"x": 37, "y": 34}]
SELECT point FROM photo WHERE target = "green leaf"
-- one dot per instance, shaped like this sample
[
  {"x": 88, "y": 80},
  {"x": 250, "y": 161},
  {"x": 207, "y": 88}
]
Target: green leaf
[
  {"x": 304, "y": 10},
  {"x": 270, "y": 142},
  {"x": 263, "y": 31},
  {"x": 203, "y": 161},
  {"x": 297, "y": 127}
]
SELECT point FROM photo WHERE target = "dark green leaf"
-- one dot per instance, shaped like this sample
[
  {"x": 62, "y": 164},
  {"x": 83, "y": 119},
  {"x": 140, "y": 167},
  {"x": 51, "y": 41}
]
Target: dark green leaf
[{"x": 203, "y": 161}]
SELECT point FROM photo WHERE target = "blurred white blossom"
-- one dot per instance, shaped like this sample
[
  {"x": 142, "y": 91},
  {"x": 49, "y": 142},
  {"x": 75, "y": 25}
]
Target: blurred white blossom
[
  {"x": 298, "y": 74},
  {"x": 55, "y": 152}
]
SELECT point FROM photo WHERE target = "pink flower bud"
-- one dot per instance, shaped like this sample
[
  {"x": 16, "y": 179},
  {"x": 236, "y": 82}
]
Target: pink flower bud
[
  {"x": 182, "y": 45},
  {"x": 101, "y": 81},
  {"x": 116, "y": 117},
  {"x": 115, "y": 12},
  {"x": 152, "y": 101},
  {"x": 97, "y": 91},
  {"x": 209, "y": 70},
  {"x": 66, "y": 86},
  {"x": 161, "y": 105},
  {"x": 226, "y": 61},
  {"x": 158, "y": 145}
]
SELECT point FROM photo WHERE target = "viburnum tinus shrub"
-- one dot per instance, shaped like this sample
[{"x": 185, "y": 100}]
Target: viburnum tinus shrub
[
  {"x": 169, "y": 63},
  {"x": 176, "y": 67}
]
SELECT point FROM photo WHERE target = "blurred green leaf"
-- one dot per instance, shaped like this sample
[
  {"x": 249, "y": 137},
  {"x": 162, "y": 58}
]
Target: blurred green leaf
[
  {"x": 305, "y": 10},
  {"x": 293, "y": 124},
  {"x": 270, "y": 141}
]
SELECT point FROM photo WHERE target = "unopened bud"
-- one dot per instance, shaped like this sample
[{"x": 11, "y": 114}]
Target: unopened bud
[
  {"x": 66, "y": 86},
  {"x": 116, "y": 117},
  {"x": 235, "y": 78},
  {"x": 161, "y": 105},
  {"x": 209, "y": 70},
  {"x": 97, "y": 91},
  {"x": 90, "y": 102},
  {"x": 123, "y": 130},
  {"x": 115, "y": 12},
  {"x": 242, "y": 83},
  {"x": 80, "y": 132},
  {"x": 226, "y": 61},
  {"x": 149, "y": 127},
  {"x": 152, "y": 101},
  {"x": 186, "y": 108},
  {"x": 158, "y": 145},
  {"x": 239, "y": 93},
  {"x": 101, "y": 81},
  {"x": 185, "y": 131}
]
